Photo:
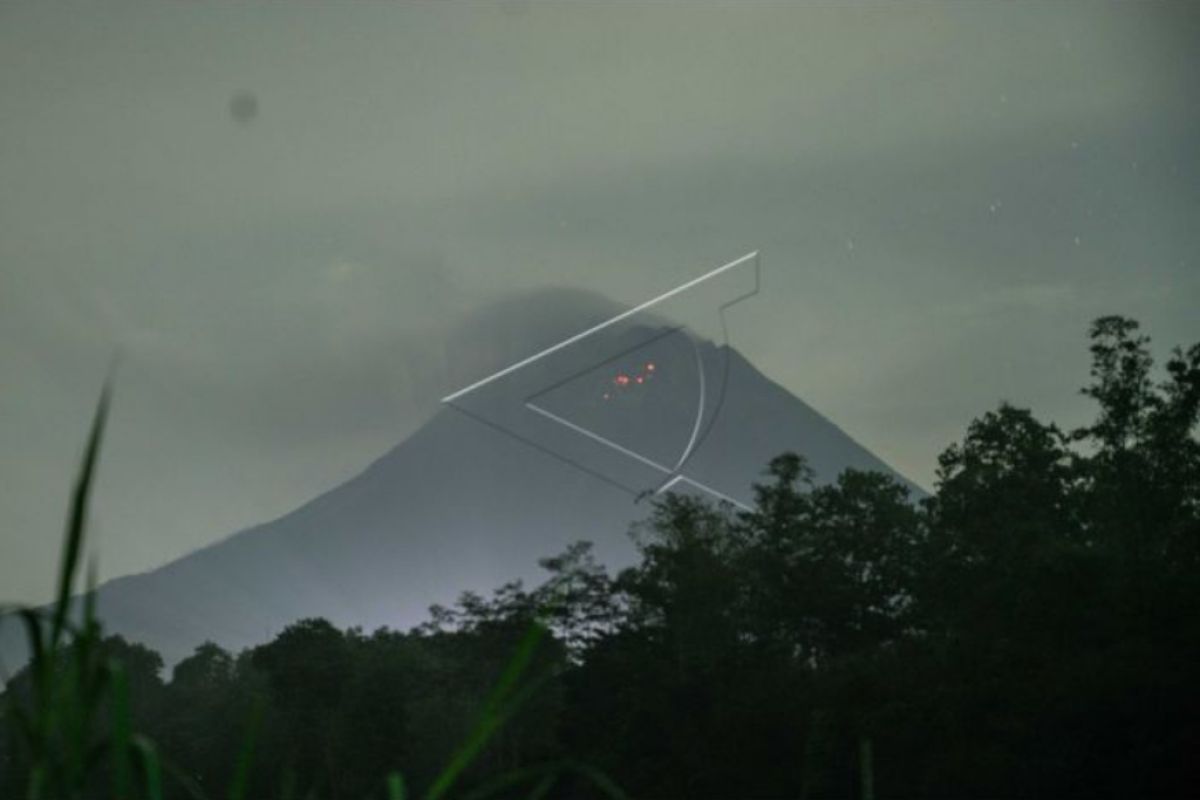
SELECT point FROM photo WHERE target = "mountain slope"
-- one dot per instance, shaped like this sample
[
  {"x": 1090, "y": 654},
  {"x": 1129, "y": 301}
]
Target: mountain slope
[{"x": 460, "y": 505}]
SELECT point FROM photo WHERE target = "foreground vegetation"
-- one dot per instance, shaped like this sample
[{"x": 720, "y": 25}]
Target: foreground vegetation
[{"x": 1029, "y": 630}]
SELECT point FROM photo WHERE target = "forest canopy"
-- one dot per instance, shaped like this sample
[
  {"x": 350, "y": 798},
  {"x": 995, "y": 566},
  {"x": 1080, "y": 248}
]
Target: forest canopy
[{"x": 1030, "y": 628}]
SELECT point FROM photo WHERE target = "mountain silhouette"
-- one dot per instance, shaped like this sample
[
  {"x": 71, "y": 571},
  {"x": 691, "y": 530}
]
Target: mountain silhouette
[{"x": 469, "y": 501}]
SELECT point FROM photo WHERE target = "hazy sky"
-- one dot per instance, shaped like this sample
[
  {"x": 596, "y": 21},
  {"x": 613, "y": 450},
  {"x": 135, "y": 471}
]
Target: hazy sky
[{"x": 945, "y": 195}]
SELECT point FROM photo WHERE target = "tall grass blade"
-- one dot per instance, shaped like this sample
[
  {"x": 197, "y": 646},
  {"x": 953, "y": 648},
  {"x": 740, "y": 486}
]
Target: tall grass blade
[
  {"x": 122, "y": 734},
  {"x": 516, "y": 777},
  {"x": 77, "y": 519},
  {"x": 601, "y": 781},
  {"x": 493, "y": 715},
  {"x": 241, "y": 773},
  {"x": 395, "y": 786},
  {"x": 548, "y": 772},
  {"x": 89, "y": 594},
  {"x": 34, "y": 635},
  {"x": 151, "y": 770},
  {"x": 544, "y": 786}
]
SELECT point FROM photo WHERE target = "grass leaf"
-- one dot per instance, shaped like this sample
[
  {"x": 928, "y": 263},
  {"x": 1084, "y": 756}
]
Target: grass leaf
[
  {"x": 151, "y": 770},
  {"x": 77, "y": 519},
  {"x": 395, "y": 786},
  {"x": 241, "y": 773},
  {"x": 121, "y": 732},
  {"x": 493, "y": 715}
]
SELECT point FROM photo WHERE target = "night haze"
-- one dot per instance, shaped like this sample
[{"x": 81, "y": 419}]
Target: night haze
[
  {"x": 787, "y": 377},
  {"x": 916, "y": 178}
]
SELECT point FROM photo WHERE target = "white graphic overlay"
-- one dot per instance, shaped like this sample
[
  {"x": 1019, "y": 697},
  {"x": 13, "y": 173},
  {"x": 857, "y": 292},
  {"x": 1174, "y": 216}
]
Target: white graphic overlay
[{"x": 740, "y": 277}]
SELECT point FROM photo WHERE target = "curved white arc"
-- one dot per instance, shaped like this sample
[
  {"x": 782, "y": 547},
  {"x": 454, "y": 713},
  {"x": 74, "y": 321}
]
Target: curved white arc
[{"x": 687, "y": 451}]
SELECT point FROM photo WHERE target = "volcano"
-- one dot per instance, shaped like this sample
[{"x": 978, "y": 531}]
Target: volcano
[{"x": 485, "y": 488}]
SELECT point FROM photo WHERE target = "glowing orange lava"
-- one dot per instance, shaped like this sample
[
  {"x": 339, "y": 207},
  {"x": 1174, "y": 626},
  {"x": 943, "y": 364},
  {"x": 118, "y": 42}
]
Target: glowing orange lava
[{"x": 624, "y": 380}]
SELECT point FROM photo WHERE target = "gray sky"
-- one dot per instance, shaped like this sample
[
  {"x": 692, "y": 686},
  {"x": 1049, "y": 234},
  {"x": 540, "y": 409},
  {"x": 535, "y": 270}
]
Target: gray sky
[{"x": 945, "y": 195}]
